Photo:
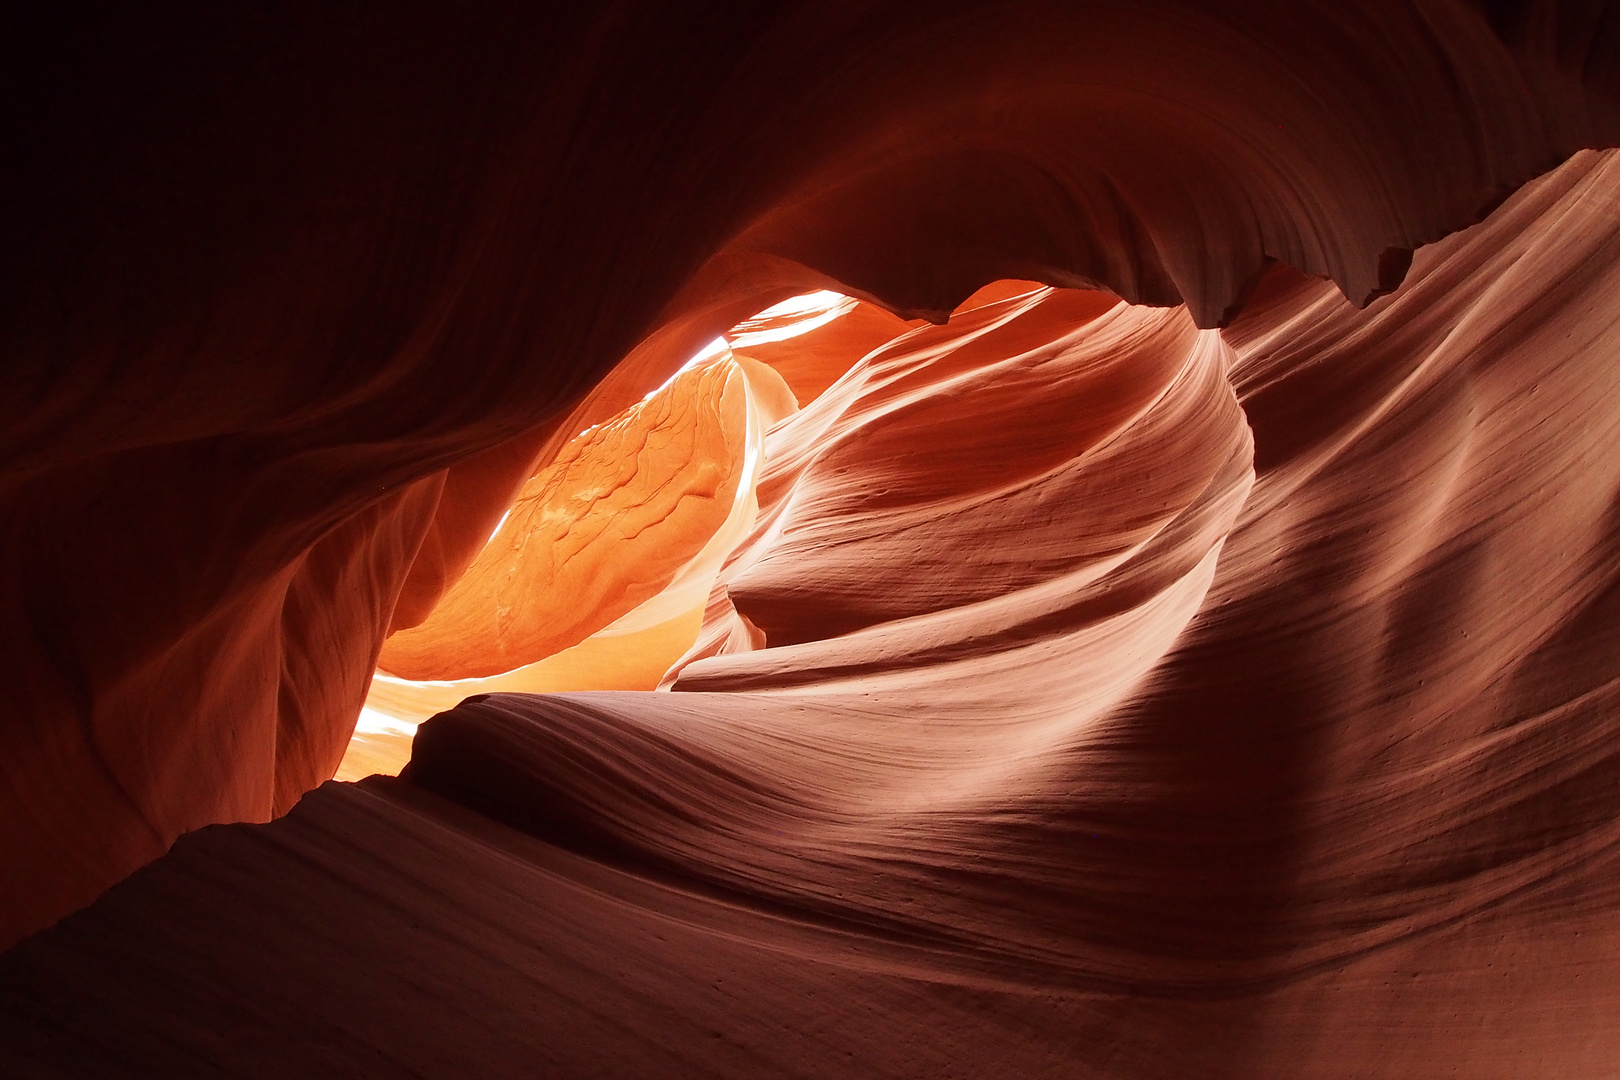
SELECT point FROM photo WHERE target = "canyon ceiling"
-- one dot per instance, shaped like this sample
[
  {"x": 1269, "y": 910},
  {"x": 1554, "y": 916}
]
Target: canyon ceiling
[{"x": 1120, "y": 503}]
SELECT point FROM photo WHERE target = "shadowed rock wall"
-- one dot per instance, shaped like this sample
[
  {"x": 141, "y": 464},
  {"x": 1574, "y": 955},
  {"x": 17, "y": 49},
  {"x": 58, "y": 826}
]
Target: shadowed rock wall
[
  {"x": 1259, "y": 724},
  {"x": 293, "y": 306}
]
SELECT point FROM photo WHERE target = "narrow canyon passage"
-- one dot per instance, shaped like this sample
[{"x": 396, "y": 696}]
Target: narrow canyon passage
[
  {"x": 1122, "y": 737},
  {"x": 1098, "y": 556}
]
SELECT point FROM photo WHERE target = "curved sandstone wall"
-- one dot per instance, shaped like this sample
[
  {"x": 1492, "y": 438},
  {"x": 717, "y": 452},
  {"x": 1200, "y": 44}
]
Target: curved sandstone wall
[{"x": 1226, "y": 597}]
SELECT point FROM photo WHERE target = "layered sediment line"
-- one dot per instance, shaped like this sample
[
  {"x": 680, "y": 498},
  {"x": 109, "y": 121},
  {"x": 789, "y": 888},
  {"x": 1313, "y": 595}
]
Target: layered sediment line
[
  {"x": 1197, "y": 656},
  {"x": 1330, "y": 789},
  {"x": 292, "y": 317},
  {"x": 1385, "y": 716}
]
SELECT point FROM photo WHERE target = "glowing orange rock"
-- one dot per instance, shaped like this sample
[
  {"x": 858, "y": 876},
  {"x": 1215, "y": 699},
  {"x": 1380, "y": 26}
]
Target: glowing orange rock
[
  {"x": 810, "y": 341},
  {"x": 635, "y": 516},
  {"x": 289, "y": 317},
  {"x": 596, "y": 533}
]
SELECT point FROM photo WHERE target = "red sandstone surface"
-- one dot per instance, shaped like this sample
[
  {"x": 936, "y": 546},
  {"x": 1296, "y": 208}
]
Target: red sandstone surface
[{"x": 1196, "y": 657}]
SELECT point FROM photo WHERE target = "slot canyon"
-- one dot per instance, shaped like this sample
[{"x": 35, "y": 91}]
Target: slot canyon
[{"x": 1009, "y": 538}]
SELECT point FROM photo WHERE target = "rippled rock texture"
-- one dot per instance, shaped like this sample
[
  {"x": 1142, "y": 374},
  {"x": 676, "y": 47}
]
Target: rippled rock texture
[{"x": 1197, "y": 657}]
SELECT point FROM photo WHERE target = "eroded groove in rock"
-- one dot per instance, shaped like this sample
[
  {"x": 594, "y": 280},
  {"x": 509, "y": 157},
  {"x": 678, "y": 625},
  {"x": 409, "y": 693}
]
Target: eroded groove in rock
[
  {"x": 257, "y": 284},
  {"x": 1386, "y": 718},
  {"x": 1259, "y": 723}
]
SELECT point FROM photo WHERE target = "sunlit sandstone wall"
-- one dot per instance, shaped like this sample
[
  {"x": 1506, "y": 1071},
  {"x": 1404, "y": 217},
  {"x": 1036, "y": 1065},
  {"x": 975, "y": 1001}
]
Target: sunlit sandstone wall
[
  {"x": 595, "y": 578},
  {"x": 596, "y": 533},
  {"x": 651, "y": 502},
  {"x": 1014, "y": 812},
  {"x": 292, "y": 312},
  {"x": 1163, "y": 696}
]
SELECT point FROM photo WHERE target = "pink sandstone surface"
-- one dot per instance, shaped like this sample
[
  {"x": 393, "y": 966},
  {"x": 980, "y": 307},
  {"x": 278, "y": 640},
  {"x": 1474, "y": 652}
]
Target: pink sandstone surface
[{"x": 1163, "y": 619}]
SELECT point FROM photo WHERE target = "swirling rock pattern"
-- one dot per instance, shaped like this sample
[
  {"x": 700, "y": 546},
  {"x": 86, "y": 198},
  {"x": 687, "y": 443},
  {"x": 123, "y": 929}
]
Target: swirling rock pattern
[
  {"x": 1096, "y": 692},
  {"x": 1371, "y": 663},
  {"x": 1274, "y": 769}
]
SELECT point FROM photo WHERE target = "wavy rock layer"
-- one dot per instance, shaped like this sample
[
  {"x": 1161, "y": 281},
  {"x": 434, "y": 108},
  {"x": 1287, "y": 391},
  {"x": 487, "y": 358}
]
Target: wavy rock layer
[
  {"x": 1285, "y": 747},
  {"x": 292, "y": 309}
]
